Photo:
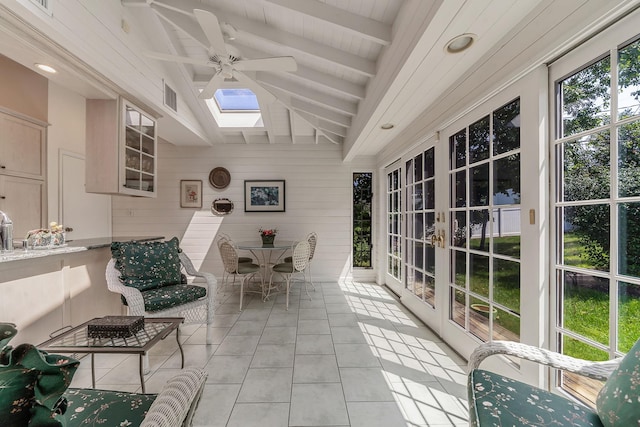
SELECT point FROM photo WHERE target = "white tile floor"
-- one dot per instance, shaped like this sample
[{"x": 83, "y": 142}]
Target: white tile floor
[{"x": 350, "y": 356}]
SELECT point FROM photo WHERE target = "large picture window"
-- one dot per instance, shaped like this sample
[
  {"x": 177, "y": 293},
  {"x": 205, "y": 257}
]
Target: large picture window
[{"x": 597, "y": 210}]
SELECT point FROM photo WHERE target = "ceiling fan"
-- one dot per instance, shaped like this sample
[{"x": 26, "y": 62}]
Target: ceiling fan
[{"x": 227, "y": 64}]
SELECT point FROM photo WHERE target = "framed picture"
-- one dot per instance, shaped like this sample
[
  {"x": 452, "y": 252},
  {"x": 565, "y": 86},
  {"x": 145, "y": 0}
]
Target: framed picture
[
  {"x": 190, "y": 193},
  {"x": 264, "y": 196}
]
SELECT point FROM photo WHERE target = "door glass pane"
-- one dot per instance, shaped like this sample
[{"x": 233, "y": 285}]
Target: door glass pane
[
  {"x": 132, "y": 118},
  {"x": 418, "y": 196},
  {"x": 506, "y": 180},
  {"x": 459, "y": 267},
  {"x": 429, "y": 194},
  {"x": 479, "y": 140},
  {"x": 479, "y": 318},
  {"x": 457, "y": 306},
  {"x": 479, "y": 237},
  {"x": 506, "y": 128},
  {"x": 459, "y": 189},
  {"x": 506, "y": 283},
  {"x": 459, "y": 229},
  {"x": 132, "y": 139},
  {"x": 479, "y": 274},
  {"x": 479, "y": 185},
  {"x": 586, "y": 236},
  {"x": 629, "y": 160},
  {"x": 628, "y": 83},
  {"x": 458, "y": 149},
  {"x": 429, "y": 166},
  {"x": 628, "y": 315},
  {"x": 506, "y": 326},
  {"x": 586, "y": 97},
  {"x": 506, "y": 232},
  {"x": 629, "y": 235},
  {"x": 417, "y": 169},
  {"x": 586, "y": 168},
  {"x": 148, "y": 127},
  {"x": 586, "y": 306}
]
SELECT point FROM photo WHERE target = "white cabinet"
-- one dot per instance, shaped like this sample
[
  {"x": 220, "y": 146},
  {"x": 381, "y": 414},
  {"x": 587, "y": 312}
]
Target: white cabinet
[
  {"x": 121, "y": 149},
  {"x": 23, "y": 172},
  {"x": 23, "y": 199}
]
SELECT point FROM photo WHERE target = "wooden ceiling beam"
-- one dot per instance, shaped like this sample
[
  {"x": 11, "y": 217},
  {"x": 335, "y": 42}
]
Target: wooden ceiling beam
[
  {"x": 250, "y": 28},
  {"x": 359, "y": 25}
]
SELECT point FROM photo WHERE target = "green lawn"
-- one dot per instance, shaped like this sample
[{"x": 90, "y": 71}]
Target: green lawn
[{"x": 586, "y": 308}]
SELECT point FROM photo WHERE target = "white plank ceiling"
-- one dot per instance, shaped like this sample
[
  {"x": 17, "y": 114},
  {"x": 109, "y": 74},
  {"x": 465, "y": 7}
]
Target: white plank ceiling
[{"x": 360, "y": 63}]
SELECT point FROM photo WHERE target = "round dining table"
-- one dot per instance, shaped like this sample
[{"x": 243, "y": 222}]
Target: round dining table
[{"x": 267, "y": 255}]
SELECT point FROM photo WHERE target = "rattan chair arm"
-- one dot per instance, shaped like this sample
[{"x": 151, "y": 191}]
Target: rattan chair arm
[
  {"x": 211, "y": 280},
  {"x": 135, "y": 302},
  {"x": 595, "y": 370},
  {"x": 178, "y": 400}
]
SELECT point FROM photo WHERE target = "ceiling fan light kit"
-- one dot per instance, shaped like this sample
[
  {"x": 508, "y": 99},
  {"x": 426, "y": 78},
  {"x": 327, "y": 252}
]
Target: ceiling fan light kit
[{"x": 226, "y": 61}]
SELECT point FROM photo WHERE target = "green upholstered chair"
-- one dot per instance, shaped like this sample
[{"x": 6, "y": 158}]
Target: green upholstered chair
[
  {"x": 148, "y": 276},
  {"x": 495, "y": 400}
]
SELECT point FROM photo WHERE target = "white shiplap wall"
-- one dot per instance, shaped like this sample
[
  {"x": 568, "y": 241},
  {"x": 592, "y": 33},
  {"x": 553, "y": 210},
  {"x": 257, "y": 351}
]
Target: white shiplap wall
[{"x": 318, "y": 198}]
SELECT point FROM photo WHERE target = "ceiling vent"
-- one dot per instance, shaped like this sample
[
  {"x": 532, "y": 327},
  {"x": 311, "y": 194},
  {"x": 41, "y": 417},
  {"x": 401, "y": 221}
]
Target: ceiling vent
[{"x": 170, "y": 98}]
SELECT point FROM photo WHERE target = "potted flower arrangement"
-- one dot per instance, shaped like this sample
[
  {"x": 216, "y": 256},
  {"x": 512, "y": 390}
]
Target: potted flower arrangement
[{"x": 268, "y": 235}]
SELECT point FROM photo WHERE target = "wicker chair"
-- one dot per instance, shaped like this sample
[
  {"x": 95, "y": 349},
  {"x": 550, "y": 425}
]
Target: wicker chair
[
  {"x": 233, "y": 267},
  {"x": 312, "y": 238},
  {"x": 298, "y": 264},
  {"x": 199, "y": 311},
  {"x": 225, "y": 238},
  {"x": 496, "y": 400},
  {"x": 174, "y": 406}
]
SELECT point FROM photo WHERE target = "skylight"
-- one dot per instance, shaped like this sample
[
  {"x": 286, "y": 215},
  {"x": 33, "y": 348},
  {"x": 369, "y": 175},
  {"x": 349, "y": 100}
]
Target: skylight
[
  {"x": 235, "y": 108},
  {"x": 236, "y": 100}
]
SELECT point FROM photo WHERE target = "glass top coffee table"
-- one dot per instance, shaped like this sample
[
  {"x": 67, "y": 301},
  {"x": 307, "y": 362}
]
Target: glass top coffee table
[{"x": 77, "y": 340}]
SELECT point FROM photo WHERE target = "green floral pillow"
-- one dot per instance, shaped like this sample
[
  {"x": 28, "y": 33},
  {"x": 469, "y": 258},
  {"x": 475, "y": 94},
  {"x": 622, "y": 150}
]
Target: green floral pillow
[
  {"x": 31, "y": 386},
  {"x": 618, "y": 402},
  {"x": 147, "y": 265}
]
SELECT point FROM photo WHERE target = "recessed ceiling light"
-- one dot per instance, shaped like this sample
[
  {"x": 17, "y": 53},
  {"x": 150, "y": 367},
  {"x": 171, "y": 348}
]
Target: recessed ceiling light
[
  {"x": 46, "y": 68},
  {"x": 460, "y": 43},
  {"x": 387, "y": 126}
]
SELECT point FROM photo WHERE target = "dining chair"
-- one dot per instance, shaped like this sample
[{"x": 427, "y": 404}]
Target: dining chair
[
  {"x": 222, "y": 237},
  {"x": 298, "y": 264},
  {"x": 232, "y": 266},
  {"x": 312, "y": 238}
]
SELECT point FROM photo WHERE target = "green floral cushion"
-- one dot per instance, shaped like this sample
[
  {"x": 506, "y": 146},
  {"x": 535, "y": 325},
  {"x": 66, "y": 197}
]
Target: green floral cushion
[
  {"x": 495, "y": 400},
  {"x": 169, "y": 296},
  {"x": 147, "y": 265},
  {"x": 618, "y": 402},
  {"x": 32, "y": 385},
  {"x": 88, "y": 407},
  {"x": 16, "y": 395}
]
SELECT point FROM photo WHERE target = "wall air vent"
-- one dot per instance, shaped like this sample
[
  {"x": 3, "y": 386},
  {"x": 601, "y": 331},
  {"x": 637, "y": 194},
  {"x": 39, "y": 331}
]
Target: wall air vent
[
  {"x": 170, "y": 98},
  {"x": 45, "y": 5}
]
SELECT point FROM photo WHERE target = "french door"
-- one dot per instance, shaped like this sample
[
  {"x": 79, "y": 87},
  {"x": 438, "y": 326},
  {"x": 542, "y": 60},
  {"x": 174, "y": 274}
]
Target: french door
[
  {"x": 462, "y": 218},
  {"x": 393, "y": 252}
]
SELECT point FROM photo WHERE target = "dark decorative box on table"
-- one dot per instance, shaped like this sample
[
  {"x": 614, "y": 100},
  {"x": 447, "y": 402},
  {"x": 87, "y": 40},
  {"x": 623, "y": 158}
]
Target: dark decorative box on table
[{"x": 115, "y": 326}]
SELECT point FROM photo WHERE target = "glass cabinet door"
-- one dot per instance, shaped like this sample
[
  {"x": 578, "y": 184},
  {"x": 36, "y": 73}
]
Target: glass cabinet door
[{"x": 139, "y": 150}]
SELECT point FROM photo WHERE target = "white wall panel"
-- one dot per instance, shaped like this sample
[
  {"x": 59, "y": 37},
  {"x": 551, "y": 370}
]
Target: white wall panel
[{"x": 318, "y": 198}]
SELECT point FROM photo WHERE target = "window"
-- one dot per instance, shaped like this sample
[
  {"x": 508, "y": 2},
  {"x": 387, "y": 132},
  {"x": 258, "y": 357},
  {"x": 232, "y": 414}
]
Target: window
[
  {"x": 597, "y": 210},
  {"x": 236, "y": 100},
  {"x": 362, "y": 196}
]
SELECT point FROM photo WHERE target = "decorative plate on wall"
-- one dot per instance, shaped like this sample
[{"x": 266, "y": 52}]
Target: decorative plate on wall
[{"x": 219, "y": 178}]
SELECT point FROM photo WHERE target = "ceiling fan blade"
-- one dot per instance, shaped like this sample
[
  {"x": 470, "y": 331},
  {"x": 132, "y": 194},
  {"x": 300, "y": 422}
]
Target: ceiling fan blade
[
  {"x": 211, "y": 87},
  {"x": 176, "y": 58},
  {"x": 211, "y": 27},
  {"x": 262, "y": 93},
  {"x": 281, "y": 63}
]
